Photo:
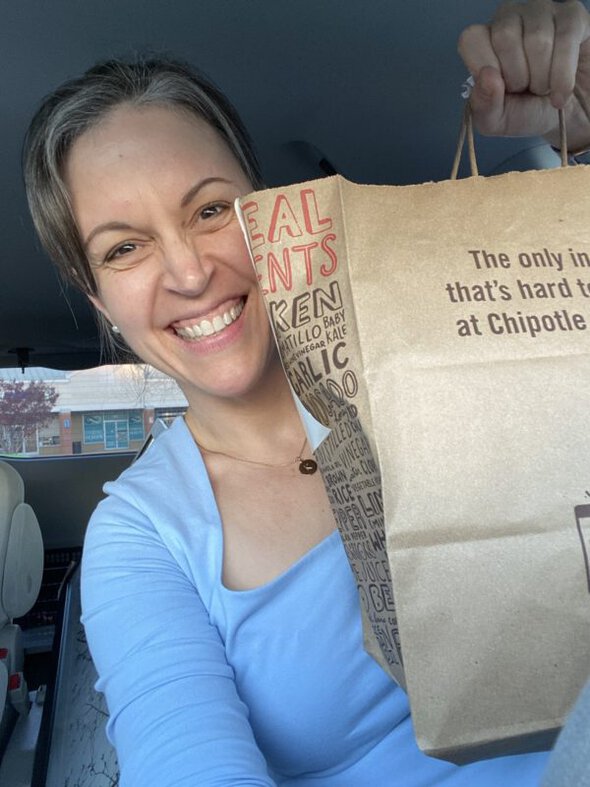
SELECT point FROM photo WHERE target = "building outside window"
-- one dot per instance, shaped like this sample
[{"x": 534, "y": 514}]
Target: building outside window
[{"x": 110, "y": 408}]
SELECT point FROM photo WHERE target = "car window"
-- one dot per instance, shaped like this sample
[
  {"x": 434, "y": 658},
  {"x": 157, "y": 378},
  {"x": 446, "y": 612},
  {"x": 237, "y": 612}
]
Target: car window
[{"x": 45, "y": 412}]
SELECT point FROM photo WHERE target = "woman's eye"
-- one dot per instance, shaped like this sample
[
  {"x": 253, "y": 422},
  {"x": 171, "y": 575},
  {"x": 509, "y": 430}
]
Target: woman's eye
[
  {"x": 214, "y": 212},
  {"x": 120, "y": 251},
  {"x": 210, "y": 211}
]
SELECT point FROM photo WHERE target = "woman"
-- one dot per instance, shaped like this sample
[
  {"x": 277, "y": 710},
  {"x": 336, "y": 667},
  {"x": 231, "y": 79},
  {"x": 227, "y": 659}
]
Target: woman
[{"x": 219, "y": 606}]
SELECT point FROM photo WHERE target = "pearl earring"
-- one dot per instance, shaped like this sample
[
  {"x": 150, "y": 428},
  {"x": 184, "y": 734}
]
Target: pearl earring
[{"x": 115, "y": 329}]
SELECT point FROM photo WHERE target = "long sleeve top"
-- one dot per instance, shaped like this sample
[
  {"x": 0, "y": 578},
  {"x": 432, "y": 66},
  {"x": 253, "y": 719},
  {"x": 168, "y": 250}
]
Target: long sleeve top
[{"x": 214, "y": 687}]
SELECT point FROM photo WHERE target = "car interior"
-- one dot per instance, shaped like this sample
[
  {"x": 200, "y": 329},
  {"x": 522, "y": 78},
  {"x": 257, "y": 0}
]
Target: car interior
[{"x": 368, "y": 91}]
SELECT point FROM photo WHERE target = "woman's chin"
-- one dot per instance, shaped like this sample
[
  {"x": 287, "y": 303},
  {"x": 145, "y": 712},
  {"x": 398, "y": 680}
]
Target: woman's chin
[{"x": 226, "y": 385}]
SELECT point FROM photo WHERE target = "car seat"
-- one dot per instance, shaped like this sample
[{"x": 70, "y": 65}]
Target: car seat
[{"x": 21, "y": 571}]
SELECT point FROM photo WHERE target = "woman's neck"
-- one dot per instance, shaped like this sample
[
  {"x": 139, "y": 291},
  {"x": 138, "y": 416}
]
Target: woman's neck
[{"x": 262, "y": 423}]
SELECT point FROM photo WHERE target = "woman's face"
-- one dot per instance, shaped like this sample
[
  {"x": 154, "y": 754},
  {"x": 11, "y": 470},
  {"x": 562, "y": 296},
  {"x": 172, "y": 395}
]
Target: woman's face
[{"x": 152, "y": 191}]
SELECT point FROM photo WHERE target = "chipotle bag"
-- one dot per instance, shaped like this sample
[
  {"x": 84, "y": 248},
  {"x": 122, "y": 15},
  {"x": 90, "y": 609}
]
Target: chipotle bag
[{"x": 442, "y": 332}]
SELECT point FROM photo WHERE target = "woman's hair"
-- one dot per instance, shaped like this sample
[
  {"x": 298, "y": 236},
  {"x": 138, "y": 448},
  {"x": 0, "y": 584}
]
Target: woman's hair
[{"x": 82, "y": 103}]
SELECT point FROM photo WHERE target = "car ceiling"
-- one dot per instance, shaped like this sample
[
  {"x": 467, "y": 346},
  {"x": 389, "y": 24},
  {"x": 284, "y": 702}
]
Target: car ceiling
[{"x": 373, "y": 87}]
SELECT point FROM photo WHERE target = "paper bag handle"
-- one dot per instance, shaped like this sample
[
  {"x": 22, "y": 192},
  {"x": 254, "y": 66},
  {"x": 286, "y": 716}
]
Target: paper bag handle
[{"x": 467, "y": 132}]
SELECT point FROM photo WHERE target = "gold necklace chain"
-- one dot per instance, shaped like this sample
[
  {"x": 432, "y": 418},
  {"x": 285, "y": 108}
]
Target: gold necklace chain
[{"x": 306, "y": 466}]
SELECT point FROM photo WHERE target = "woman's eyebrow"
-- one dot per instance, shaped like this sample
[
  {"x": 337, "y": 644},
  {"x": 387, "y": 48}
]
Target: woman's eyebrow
[
  {"x": 194, "y": 190},
  {"x": 109, "y": 226},
  {"x": 106, "y": 227}
]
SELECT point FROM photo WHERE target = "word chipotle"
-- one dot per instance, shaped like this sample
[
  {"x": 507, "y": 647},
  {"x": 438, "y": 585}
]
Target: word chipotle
[{"x": 532, "y": 324}]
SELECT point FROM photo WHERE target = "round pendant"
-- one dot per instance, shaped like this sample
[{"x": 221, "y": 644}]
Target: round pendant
[{"x": 308, "y": 466}]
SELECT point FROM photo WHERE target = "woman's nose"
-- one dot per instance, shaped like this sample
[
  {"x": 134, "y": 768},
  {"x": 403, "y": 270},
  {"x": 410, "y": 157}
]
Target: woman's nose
[{"x": 187, "y": 269}]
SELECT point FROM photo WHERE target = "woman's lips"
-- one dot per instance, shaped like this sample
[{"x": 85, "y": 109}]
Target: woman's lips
[{"x": 208, "y": 327}]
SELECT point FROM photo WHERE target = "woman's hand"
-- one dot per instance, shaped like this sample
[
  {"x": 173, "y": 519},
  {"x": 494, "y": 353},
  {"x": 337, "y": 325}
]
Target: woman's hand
[{"x": 532, "y": 59}]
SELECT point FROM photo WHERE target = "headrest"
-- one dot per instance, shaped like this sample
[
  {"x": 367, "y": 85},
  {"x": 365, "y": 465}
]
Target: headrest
[
  {"x": 23, "y": 566},
  {"x": 21, "y": 547},
  {"x": 12, "y": 492}
]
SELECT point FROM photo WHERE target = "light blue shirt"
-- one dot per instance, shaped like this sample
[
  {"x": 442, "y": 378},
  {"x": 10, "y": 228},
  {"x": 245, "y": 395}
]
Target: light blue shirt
[{"x": 212, "y": 687}]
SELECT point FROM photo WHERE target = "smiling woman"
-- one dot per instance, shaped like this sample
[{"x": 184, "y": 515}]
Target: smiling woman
[
  {"x": 68, "y": 112},
  {"x": 153, "y": 191},
  {"x": 218, "y": 603}
]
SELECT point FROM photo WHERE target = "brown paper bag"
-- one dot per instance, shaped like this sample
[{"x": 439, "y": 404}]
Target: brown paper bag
[{"x": 442, "y": 332}]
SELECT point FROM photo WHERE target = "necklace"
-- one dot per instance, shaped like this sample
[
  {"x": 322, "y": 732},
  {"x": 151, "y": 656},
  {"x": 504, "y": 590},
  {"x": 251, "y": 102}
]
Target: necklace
[{"x": 306, "y": 466}]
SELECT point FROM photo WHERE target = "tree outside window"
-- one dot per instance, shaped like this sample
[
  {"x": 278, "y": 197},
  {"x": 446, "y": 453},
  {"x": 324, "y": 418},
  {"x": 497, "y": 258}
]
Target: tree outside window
[{"x": 25, "y": 407}]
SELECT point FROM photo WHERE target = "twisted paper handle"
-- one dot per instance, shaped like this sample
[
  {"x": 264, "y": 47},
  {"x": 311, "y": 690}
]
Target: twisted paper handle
[{"x": 467, "y": 132}]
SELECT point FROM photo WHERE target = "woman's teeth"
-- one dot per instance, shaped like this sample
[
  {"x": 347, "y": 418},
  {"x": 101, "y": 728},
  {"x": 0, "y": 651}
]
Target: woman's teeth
[{"x": 209, "y": 327}]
